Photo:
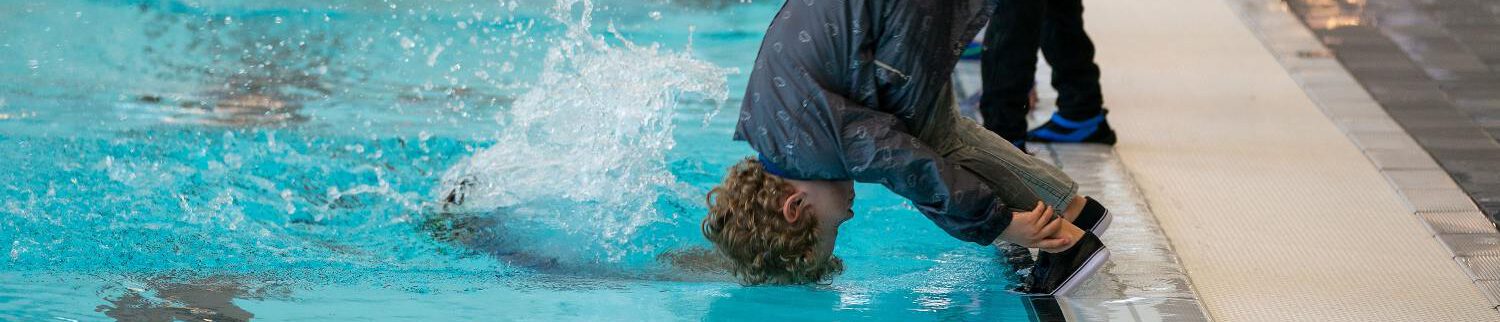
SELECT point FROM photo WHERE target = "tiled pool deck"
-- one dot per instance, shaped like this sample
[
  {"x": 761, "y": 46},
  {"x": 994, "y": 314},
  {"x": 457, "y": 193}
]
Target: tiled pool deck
[{"x": 1427, "y": 191}]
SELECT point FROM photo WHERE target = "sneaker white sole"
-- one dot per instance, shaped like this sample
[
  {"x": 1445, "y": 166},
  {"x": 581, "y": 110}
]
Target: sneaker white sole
[
  {"x": 1093, "y": 265},
  {"x": 1103, "y": 223}
]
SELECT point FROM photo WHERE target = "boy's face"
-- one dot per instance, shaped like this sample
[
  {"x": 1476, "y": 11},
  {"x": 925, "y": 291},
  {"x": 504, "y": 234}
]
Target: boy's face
[{"x": 831, "y": 202}]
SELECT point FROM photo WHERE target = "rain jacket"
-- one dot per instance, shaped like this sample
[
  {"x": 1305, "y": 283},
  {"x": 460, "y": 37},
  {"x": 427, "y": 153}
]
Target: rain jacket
[{"x": 838, "y": 84}]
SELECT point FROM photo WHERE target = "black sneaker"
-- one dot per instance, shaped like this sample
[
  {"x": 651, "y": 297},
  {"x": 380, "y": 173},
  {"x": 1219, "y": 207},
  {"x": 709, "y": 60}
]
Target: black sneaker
[
  {"x": 1093, "y": 130},
  {"x": 1061, "y": 273},
  {"x": 1094, "y": 218}
]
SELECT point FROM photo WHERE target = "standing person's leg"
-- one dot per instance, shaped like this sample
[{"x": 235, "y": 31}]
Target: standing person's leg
[
  {"x": 1080, "y": 103},
  {"x": 1009, "y": 66},
  {"x": 1070, "y": 52}
]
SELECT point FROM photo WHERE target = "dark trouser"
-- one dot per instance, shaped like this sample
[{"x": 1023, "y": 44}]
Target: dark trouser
[{"x": 1016, "y": 30}]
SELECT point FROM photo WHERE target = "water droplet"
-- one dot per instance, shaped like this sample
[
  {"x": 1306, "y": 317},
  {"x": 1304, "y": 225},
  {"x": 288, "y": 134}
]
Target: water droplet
[
  {"x": 783, "y": 116},
  {"x": 278, "y": 20},
  {"x": 407, "y": 43},
  {"x": 34, "y": 64},
  {"x": 777, "y": 46},
  {"x": 655, "y": 15},
  {"x": 804, "y": 36},
  {"x": 780, "y": 82}
]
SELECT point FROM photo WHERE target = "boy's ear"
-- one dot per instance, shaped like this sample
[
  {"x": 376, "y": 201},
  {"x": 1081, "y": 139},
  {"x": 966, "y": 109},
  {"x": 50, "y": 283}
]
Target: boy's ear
[{"x": 791, "y": 208}]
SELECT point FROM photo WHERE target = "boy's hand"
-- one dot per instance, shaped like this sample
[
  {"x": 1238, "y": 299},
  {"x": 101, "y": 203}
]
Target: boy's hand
[{"x": 1036, "y": 229}]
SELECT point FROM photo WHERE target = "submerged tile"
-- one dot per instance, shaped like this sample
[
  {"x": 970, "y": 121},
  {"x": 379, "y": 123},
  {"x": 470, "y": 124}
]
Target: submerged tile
[
  {"x": 1387, "y": 159},
  {"x": 1352, "y": 109},
  {"x": 1437, "y": 200},
  {"x": 1411, "y": 179},
  {"x": 1472, "y": 244},
  {"x": 1380, "y": 123},
  {"x": 1464, "y": 222},
  {"x": 1385, "y": 141},
  {"x": 1483, "y": 267}
]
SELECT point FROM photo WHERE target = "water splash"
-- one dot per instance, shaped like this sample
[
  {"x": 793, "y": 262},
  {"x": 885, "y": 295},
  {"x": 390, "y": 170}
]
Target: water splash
[
  {"x": 582, "y": 152},
  {"x": 592, "y": 133}
]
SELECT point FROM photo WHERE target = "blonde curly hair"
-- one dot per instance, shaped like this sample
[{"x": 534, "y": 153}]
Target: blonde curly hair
[{"x": 745, "y": 223}]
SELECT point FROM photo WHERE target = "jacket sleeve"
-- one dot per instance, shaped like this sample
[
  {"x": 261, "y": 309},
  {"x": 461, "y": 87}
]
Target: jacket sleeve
[{"x": 876, "y": 147}]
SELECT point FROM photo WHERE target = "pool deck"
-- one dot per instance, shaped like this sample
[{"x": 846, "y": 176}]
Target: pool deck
[{"x": 1279, "y": 184}]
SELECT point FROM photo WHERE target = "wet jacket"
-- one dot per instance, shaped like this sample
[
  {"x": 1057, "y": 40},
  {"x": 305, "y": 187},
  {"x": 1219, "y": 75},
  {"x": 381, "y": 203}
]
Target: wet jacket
[{"x": 837, "y": 85}]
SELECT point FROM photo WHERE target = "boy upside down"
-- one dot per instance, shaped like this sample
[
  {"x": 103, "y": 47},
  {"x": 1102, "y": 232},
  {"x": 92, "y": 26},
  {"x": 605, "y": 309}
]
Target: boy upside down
[{"x": 860, "y": 90}]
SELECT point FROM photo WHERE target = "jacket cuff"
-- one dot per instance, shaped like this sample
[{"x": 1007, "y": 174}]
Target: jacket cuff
[
  {"x": 771, "y": 168},
  {"x": 997, "y": 218}
]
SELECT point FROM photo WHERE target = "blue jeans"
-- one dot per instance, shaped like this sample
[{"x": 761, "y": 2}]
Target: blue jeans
[{"x": 1019, "y": 179}]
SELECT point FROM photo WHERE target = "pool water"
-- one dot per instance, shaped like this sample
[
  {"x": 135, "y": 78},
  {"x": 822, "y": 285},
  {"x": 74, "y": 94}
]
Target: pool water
[{"x": 230, "y": 160}]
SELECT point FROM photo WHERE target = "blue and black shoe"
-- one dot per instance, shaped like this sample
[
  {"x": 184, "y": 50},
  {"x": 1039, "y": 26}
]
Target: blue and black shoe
[
  {"x": 1060, "y": 129},
  {"x": 973, "y": 51}
]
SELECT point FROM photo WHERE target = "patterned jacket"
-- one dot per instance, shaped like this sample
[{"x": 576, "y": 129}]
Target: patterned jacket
[{"x": 838, "y": 83}]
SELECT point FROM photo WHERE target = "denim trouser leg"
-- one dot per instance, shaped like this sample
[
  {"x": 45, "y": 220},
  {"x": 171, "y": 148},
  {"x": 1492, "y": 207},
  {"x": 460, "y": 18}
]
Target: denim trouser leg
[{"x": 1019, "y": 179}]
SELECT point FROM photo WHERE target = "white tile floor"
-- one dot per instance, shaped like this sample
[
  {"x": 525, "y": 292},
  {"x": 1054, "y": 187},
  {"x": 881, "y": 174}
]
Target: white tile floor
[{"x": 1426, "y": 190}]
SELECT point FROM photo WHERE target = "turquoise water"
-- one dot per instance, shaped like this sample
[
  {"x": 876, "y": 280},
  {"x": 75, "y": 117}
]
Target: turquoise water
[{"x": 270, "y": 159}]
